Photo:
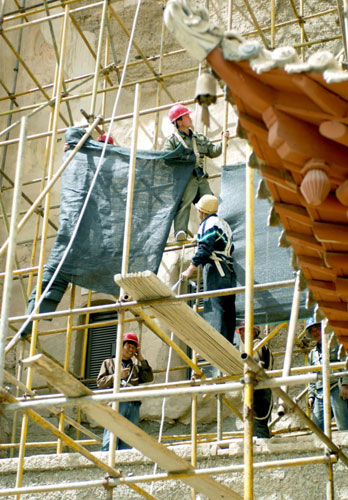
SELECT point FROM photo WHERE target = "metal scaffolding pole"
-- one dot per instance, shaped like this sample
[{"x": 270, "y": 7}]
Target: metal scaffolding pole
[
  {"x": 290, "y": 340},
  {"x": 98, "y": 58},
  {"x": 125, "y": 257},
  {"x": 248, "y": 409},
  {"x": 46, "y": 13},
  {"x": 11, "y": 251},
  {"x": 167, "y": 390},
  {"x": 259, "y": 372},
  {"x": 53, "y": 180},
  {"x": 325, "y": 347}
]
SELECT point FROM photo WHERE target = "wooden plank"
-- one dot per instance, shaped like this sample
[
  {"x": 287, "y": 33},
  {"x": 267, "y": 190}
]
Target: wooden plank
[
  {"x": 106, "y": 417},
  {"x": 186, "y": 324}
]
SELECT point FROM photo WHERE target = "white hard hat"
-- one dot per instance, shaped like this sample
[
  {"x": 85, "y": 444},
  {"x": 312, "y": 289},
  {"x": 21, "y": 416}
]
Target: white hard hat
[{"x": 208, "y": 204}]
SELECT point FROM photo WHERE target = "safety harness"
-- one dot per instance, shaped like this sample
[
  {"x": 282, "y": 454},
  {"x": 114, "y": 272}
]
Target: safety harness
[
  {"x": 194, "y": 147},
  {"x": 219, "y": 256},
  {"x": 316, "y": 358}
]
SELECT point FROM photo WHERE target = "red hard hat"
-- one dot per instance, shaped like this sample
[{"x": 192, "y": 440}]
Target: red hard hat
[
  {"x": 130, "y": 337},
  {"x": 257, "y": 329},
  {"x": 102, "y": 138},
  {"x": 178, "y": 111}
]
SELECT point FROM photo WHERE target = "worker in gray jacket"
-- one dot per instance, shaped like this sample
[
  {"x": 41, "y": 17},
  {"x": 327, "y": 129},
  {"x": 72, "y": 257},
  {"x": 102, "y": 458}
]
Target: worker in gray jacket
[
  {"x": 198, "y": 184},
  {"x": 214, "y": 253},
  {"x": 338, "y": 387}
]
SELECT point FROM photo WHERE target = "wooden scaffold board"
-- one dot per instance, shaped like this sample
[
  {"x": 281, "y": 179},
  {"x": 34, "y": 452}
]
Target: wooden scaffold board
[
  {"x": 181, "y": 319},
  {"x": 106, "y": 417}
]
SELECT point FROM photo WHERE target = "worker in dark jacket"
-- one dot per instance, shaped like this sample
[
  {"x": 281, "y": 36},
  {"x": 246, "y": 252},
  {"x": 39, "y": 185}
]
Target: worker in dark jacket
[
  {"x": 263, "y": 401},
  {"x": 134, "y": 372},
  {"x": 338, "y": 387},
  {"x": 214, "y": 253},
  {"x": 198, "y": 184}
]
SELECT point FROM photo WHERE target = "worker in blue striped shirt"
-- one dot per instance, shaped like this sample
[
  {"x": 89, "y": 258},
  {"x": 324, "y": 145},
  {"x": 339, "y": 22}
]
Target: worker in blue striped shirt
[{"x": 214, "y": 254}]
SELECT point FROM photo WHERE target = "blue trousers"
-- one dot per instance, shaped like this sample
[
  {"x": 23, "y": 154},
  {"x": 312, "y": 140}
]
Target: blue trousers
[
  {"x": 130, "y": 410},
  {"x": 339, "y": 407},
  {"x": 220, "y": 312}
]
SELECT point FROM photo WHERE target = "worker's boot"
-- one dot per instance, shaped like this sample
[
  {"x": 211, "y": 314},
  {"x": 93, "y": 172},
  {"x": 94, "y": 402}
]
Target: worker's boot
[{"x": 181, "y": 236}]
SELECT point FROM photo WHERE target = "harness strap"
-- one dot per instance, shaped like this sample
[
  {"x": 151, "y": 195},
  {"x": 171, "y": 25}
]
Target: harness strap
[
  {"x": 194, "y": 146},
  {"x": 219, "y": 256},
  {"x": 320, "y": 396}
]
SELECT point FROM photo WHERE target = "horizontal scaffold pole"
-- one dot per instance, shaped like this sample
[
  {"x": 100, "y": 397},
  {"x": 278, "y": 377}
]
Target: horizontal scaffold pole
[
  {"x": 261, "y": 374},
  {"x": 141, "y": 394},
  {"x": 293, "y": 462},
  {"x": 117, "y": 306}
]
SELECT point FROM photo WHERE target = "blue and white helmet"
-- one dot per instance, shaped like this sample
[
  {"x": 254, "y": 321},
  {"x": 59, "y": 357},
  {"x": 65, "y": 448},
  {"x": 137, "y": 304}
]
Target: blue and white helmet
[{"x": 311, "y": 322}]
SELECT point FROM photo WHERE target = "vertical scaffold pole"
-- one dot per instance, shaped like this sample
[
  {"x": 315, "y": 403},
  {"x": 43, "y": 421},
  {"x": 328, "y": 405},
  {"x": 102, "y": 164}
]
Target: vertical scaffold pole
[
  {"x": 194, "y": 398},
  {"x": 19, "y": 376},
  {"x": 84, "y": 355},
  {"x": 226, "y": 104},
  {"x": 8, "y": 281},
  {"x": 249, "y": 324},
  {"x": 303, "y": 34},
  {"x": 125, "y": 257},
  {"x": 159, "y": 87},
  {"x": 290, "y": 340},
  {"x": 272, "y": 24},
  {"x": 98, "y": 58},
  {"x": 50, "y": 151},
  {"x": 68, "y": 339},
  {"x": 106, "y": 62},
  {"x": 325, "y": 349}
]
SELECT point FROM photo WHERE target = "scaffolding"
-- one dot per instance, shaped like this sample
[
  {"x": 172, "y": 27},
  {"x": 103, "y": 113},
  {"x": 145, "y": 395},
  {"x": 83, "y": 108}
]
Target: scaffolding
[{"x": 41, "y": 39}]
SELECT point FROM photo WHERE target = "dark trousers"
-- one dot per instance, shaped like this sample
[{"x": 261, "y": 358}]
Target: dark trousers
[
  {"x": 220, "y": 312},
  {"x": 53, "y": 297},
  {"x": 262, "y": 412}
]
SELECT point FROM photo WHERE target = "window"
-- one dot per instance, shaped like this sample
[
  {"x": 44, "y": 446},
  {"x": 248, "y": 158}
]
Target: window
[{"x": 101, "y": 344}]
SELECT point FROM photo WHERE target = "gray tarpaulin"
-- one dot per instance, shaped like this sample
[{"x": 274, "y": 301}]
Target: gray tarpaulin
[
  {"x": 271, "y": 262},
  {"x": 96, "y": 254},
  {"x": 160, "y": 180}
]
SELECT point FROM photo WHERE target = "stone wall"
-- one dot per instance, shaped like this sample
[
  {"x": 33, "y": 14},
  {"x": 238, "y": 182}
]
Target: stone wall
[{"x": 286, "y": 483}]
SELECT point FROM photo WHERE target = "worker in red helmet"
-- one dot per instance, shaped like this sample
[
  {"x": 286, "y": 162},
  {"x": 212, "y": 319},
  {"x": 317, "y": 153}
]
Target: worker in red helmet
[
  {"x": 135, "y": 370},
  {"x": 102, "y": 138},
  {"x": 198, "y": 184},
  {"x": 241, "y": 331}
]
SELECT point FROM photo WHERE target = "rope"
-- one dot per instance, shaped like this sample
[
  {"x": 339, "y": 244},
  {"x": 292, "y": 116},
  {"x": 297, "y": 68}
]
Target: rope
[
  {"x": 43, "y": 295},
  {"x": 164, "y": 400}
]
